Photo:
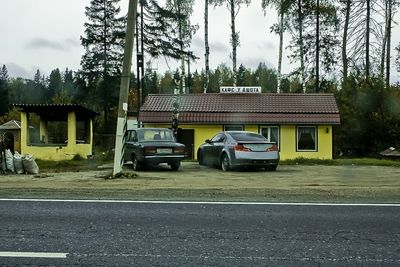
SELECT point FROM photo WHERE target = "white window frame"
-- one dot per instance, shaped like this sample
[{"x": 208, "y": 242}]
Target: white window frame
[
  {"x": 315, "y": 138},
  {"x": 269, "y": 133}
]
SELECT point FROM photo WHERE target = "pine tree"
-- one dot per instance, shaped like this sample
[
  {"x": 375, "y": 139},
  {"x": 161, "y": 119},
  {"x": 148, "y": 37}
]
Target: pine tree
[
  {"x": 55, "y": 85},
  {"x": 102, "y": 61},
  {"x": 315, "y": 40},
  {"x": 68, "y": 82},
  {"x": 36, "y": 92},
  {"x": 3, "y": 90},
  {"x": 103, "y": 40}
]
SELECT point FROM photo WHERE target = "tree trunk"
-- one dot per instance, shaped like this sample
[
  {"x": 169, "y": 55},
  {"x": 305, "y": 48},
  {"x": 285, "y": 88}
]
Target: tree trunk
[
  {"x": 344, "y": 41},
  {"x": 281, "y": 30},
  {"x": 388, "y": 40},
  {"x": 207, "y": 48},
  {"x": 182, "y": 86},
  {"x": 234, "y": 40},
  {"x": 301, "y": 44},
  {"x": 367, "y": 40},
  {"x": 317, "y": 51},
  {"x": 383, "y": 48}
]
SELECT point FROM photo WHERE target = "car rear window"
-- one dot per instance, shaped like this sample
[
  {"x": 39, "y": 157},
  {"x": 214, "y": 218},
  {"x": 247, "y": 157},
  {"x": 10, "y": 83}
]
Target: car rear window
[
  {"x": 247, "y": 137},
  {"x": 155, "y": 135}
]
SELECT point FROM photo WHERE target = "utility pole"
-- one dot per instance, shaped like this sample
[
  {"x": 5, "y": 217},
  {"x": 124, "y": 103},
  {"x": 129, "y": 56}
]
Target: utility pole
[{"x": 124, "y": 88}]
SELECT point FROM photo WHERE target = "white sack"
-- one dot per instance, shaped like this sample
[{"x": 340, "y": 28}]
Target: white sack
[
  {"x": 30, "y": 165},
  {"x": 9, "y": 160},
  {"x": 19, "y": 168}
]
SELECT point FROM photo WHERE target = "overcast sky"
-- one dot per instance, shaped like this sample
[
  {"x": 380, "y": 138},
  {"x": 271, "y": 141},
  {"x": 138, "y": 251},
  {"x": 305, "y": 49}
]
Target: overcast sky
[{"x": 44, "y": 35}]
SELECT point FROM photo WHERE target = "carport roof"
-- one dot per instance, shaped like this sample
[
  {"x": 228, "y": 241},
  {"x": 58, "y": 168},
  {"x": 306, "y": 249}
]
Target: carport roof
[
  {"x": 11, "y": 125},
  {"x": 243, "y": 108},
  {"x": 57, "y": 111}
]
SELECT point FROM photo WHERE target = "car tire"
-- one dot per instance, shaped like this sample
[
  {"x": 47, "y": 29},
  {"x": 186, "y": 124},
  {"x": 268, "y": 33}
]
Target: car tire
[
  {"x": 271, "y": 168},
  {"x": 136, "y": 166},
  {"x": 200, "y": 158},
  {"x": 225, "y": 163},
  {"x": 175, "y": 165}
]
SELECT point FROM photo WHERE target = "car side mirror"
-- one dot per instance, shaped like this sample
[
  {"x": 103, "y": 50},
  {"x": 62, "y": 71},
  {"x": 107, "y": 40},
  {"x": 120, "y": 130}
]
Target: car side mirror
[{"x": 208, "y": 141}]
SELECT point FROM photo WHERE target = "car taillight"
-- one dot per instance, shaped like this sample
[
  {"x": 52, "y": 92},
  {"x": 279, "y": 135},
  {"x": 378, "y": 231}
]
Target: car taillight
[
  {"x": 241, "y": 148},
  {"x": 272, "y": 148},
  {"x": 179, "y": 150},
  {"x": 149, "y": 150}
]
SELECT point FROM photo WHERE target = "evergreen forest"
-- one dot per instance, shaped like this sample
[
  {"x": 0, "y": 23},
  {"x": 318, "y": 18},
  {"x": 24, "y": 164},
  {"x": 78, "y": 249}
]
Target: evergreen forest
[{"x": 342, "y": 47}]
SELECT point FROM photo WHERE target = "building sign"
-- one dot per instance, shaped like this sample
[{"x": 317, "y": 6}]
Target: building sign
[{"x": 240, "y": 89}]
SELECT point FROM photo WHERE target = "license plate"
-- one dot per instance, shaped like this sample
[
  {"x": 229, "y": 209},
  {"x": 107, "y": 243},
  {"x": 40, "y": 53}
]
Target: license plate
[{"x": 164, "y": 150}]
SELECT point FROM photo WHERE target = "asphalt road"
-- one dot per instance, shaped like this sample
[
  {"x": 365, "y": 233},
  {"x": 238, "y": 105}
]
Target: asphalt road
[{"x": 178, "y": 234}]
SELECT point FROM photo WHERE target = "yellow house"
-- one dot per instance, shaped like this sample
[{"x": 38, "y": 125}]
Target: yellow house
[
  {"x": 56, "y": 131},
  {"x": 301, "y": 124}
]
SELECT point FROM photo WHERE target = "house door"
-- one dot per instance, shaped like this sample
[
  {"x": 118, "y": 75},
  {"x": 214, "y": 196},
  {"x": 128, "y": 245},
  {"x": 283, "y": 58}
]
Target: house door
[
  {"x": 9, "y": 141},
  {"x": 186, "y": 137}
]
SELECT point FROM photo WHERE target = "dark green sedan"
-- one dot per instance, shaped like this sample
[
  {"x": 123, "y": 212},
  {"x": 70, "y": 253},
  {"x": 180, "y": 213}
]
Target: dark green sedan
[{"x": 152, "y": 146}]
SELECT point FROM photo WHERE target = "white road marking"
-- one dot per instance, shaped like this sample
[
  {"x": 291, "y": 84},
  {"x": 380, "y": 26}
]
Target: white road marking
[
  {"x": 207, "y": 202},
  {"x": 33, "y": 255}
]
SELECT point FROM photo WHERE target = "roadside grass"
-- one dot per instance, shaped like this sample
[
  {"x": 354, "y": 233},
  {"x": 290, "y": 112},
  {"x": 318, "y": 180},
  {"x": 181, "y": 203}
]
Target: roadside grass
[
  {"x": 342, "y": 161},
  {"x": 76, "y": 164},
  {"x": 290, "y": 183}
]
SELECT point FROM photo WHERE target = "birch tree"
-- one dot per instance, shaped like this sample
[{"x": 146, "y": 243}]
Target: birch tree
[
  {"x": 233, "y": 7},
  {"x": 207, "y": 47},
  {"x": 183, "y": 9},
  {"x": 282, "y": 6}
]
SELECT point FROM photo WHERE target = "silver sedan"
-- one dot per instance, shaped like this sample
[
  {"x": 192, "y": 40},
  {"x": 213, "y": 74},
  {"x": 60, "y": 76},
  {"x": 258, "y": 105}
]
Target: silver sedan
[{"x": 231, "y": 149}]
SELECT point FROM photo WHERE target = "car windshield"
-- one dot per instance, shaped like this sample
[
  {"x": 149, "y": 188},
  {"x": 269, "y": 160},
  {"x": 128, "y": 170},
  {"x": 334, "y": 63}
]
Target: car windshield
[
  {"x": 155, "y": 135},
  {"x": 247, "y": 137}
]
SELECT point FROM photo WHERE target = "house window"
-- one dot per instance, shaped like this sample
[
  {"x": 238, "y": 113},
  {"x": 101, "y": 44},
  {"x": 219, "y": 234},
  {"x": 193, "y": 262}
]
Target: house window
[
  {"x": 234, "y": 127},
  {"x": 306, "y": 138},
  {"x": 271, "y": 133}
]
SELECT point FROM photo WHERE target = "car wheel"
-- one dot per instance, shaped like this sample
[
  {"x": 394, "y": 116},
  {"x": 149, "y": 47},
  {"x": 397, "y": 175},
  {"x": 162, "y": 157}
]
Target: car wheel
[
  {"x": 175, "y": 165},
  {"x": 225, "y": 164},
  {"x": 200, "y": 158},
  {"x": 271, "y": 168},
  {"x": 135, "y": 163}
]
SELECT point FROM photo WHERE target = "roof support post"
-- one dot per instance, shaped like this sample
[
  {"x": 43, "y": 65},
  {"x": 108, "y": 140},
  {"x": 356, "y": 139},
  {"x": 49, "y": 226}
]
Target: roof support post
[
  {"x": 71, "y": 128},
  {"x": 24, "y": 131},
  {"x": 43, "y": 135}
]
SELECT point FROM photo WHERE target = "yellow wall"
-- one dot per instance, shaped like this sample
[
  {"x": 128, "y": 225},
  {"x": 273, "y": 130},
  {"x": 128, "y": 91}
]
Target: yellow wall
[
  {"x": 287, "y": 139},
  {"x": 288, "y": 143},
  {"x": 53, "y": 151}
]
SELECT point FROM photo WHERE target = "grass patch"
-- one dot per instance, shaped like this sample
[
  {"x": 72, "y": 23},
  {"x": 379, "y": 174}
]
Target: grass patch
[
  {"x": 342, "y": 162},
  {"x": 75, "y": 164}
]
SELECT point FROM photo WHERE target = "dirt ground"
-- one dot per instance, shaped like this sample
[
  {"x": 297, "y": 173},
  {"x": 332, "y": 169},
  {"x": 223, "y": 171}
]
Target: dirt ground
[
  {"x": 288, "y": 182},
  {"x": 297, "y": 174}
]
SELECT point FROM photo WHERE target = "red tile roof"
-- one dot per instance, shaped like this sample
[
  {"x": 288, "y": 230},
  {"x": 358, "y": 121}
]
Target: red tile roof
[{"x": 242, "y": 108}]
